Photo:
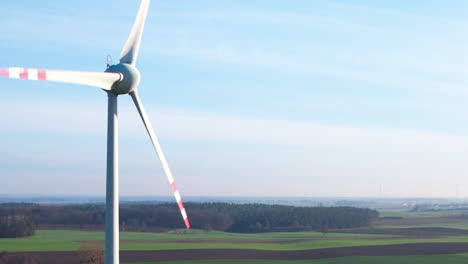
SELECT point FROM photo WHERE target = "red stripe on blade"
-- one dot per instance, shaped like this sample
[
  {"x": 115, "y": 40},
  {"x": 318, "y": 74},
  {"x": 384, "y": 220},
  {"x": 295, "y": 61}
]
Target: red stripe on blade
[
  {"x": 41, "y": 75},
  {"x": 174, "y": 187},
  {"x": 182, "y": 209},
  {"x": 181, "y": 205},
  {"x": 4, "y": 72},
  {"x": 24, "y": 74}
]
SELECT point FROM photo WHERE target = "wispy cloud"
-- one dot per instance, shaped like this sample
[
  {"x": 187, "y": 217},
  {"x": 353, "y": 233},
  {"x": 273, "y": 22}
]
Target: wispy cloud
[
  {"x": 47, "y": 28},
  {"x": 307, "y": 153},
  {"x": 304, "y": 21},
  {"x": 410, "y": 62},
  {"x": 374, "y": 65},
  {"x": 90, "y": 119},
  {"x": 386, "y": 71}
]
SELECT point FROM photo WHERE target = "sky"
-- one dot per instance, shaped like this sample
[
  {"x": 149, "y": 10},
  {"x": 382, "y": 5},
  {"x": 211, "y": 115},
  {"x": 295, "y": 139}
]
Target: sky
[{"x": 301, "y": 98}]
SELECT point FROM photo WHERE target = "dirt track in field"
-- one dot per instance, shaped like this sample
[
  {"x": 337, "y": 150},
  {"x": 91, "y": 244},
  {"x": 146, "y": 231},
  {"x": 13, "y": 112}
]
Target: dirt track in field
[{"x": 64, "y": 257}]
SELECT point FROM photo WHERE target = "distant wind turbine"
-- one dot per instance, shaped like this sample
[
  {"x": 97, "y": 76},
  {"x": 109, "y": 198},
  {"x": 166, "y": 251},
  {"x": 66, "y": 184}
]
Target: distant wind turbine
[{"x": 119, "y": 79}]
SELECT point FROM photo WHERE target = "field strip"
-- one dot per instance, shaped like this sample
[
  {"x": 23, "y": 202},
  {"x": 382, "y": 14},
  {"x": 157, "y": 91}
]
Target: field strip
[{"x": 53, "y": 257}]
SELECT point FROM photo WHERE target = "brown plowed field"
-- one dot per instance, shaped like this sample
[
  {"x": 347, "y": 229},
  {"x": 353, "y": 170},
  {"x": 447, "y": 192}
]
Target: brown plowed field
[{"x": 64, "y": 257}]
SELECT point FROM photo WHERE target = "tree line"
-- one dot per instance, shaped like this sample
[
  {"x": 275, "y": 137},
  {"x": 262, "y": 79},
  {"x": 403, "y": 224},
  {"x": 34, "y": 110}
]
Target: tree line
[
  {"x": 16, "y": 226},
  {"x": 240, "y": 218}
]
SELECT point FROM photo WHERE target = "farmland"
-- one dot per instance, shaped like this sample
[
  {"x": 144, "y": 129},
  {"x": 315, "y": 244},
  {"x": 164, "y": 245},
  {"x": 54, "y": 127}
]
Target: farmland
[
  {"x": 69, "y": 240},
  {"x": 453, "y": 259},
  {"x": 424, "y": 239}
]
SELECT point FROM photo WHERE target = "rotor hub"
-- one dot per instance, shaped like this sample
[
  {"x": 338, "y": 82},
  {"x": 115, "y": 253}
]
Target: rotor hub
[{"x": 130, "y": 78}]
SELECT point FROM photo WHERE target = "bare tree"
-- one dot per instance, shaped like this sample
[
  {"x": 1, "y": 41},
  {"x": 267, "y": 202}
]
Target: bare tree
[{"x": 91, "y": 253}]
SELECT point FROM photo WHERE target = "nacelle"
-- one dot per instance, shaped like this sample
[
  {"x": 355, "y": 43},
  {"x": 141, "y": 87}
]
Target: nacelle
[{"x": 130, "y": 78}]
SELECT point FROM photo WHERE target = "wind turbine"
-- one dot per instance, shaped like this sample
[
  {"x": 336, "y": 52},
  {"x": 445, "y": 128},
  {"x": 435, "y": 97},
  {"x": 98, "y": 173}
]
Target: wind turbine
[{"x": 122, "y": 78}]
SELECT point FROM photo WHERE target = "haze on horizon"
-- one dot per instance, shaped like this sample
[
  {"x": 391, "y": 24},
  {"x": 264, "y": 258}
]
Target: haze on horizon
[{"x": 320, "y": 98}]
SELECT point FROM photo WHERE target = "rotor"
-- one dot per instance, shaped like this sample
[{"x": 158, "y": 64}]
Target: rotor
[{"x": 130, "y": 78}]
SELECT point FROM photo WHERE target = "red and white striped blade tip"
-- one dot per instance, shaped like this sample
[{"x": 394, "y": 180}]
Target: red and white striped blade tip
[
  {"x": 187, "y": 223},
  {"x": 21, "y": 73},
  {"x": 180, "y": 204},
  {"x": 4, "y": 72}
]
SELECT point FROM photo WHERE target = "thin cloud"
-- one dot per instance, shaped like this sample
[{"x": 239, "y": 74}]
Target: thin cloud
[
  {"x": 300, "y": 20},
  {"x": 90, "y": 120},
  {"x": 278, "y": 61},
  {"x": 314, "y": 157}
]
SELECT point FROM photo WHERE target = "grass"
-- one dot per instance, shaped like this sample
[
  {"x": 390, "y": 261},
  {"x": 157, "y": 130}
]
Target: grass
[
  {"x": 70, "y": 240},
  {"x": 49, "y": 240},
  {"x": 434, "y": 259}
]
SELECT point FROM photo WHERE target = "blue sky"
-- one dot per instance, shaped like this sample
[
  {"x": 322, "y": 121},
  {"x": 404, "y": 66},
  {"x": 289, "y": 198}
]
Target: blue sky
[{"x": 258, "y": 98}]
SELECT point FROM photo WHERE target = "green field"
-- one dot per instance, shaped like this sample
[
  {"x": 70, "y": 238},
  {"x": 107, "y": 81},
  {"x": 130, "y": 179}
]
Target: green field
[
  {"x": 66, "y": 240},
  {"x": 69, "y": 240}
]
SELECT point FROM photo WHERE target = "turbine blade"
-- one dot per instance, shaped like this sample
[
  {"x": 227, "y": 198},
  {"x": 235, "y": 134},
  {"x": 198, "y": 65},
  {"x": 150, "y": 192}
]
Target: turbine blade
[
  {"x": 102, "y": 80},
  {"x": 129, "y": 53},
  {"x": 160, "y": 153}
]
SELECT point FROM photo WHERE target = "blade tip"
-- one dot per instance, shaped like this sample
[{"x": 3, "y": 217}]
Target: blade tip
[
  {"x": 4, "y": 72},
  {"x": 187, "y": 224}
]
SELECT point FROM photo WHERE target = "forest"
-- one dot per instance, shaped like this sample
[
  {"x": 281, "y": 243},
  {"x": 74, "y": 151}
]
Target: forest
[
  {"x": 16, "y": 226},
  {"x": 238, "y": 218}
]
